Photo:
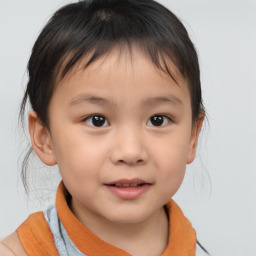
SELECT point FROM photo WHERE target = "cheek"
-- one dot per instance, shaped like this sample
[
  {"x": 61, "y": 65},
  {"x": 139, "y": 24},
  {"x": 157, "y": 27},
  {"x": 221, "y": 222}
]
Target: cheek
[
  {"x": 171, "y": 153},
  {"x": 77, "y": 159},
  {"x": 171, "y": 170},
  {"x": 171, "y": 159},
  {"x": 170, "y": 176}
]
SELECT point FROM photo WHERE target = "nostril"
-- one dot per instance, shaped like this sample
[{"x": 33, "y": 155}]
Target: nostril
[
  {"x": 140, "y": 161},
  {"x": 131, "y": 162}
]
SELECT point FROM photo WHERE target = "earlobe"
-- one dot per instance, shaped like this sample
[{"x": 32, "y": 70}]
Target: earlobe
[
  {"x": 40, "y": 139},
  {"x": 194, "y": 138}
]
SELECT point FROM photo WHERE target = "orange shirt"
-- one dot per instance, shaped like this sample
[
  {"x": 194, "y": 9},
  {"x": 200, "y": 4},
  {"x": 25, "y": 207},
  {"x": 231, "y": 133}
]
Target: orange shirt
[{"x": 37, "y": 239}]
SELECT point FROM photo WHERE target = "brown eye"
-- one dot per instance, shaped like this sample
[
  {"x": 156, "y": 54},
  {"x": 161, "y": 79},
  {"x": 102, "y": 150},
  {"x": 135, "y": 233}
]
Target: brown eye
[
  {"x": 97, "y": 121},
  {"x": 158, "y": 120}
]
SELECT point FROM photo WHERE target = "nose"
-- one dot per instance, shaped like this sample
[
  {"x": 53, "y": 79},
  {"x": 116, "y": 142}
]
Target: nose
[{"x": 129, "y": 147}]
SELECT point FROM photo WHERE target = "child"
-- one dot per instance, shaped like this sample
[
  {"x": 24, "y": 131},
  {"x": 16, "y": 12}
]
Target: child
[{"x": 115, "y": 92}]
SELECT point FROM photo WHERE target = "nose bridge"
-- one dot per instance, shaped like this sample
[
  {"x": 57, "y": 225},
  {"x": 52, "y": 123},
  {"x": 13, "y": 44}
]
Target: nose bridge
[{"x": 129, "y": 146}]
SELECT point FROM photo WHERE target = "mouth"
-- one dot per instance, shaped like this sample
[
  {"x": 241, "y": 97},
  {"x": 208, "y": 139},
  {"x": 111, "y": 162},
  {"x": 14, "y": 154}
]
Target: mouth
[
  {"x": 128, "y": 183},
  {"x": 128, "y": 189}
]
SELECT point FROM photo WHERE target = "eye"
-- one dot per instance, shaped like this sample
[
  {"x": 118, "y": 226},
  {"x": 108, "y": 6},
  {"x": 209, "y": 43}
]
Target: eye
[
  {"x": 96, "y": 121},
  {"x": 158, "y": 120}
]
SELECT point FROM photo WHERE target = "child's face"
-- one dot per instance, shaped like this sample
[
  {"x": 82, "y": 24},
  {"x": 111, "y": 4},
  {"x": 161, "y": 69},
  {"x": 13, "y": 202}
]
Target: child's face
[{"x": 118, "y": 123}]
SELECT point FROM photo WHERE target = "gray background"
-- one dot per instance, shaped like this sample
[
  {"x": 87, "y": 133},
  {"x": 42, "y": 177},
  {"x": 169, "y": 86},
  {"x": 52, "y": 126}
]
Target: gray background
[{"x": 218, "y": 194}]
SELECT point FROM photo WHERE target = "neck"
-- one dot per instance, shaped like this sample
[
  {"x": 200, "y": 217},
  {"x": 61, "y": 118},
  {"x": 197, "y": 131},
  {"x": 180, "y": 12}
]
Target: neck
[{"x": 149, "y": 237}]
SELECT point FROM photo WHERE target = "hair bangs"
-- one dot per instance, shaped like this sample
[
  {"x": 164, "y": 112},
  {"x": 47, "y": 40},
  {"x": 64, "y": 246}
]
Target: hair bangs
[{"x": 107, "y": 29}]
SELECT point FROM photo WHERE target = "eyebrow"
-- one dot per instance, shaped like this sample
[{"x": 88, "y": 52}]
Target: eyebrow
[
  {"x": 162, "y": 99},
  {"x": 103, "y": 101},
  {"x": 88, "y": 98}
]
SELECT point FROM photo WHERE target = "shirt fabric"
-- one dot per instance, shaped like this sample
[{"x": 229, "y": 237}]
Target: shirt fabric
[{"x": 58, "y": 232}]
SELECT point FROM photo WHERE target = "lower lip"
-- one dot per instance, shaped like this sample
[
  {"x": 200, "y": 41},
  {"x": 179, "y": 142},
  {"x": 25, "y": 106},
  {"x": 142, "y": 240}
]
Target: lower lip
[{"x": 128, "y": 193}]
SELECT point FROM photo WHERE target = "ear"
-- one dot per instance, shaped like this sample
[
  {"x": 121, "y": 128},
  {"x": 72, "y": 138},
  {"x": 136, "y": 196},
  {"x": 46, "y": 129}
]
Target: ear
[
  {"x": 40, "y": 139},
  {"x": 194, "y": 138}
]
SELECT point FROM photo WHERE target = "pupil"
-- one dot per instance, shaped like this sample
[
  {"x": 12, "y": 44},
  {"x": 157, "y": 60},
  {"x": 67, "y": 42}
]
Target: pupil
[
  {"x": 157, "y": 120},
  {"x": 98, "y": 121}
]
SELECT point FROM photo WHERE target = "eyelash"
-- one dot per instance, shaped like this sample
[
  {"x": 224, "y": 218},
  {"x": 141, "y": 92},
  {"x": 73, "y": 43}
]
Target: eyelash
[
  {"x": 99, "y": 118},
  {"x": 162, "y": 120}
]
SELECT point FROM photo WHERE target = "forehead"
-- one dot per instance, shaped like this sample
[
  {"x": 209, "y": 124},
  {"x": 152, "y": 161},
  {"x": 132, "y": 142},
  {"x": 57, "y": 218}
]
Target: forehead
[
  {"x": 120, "y": 54},
  {"x": 125, "y": 70}
]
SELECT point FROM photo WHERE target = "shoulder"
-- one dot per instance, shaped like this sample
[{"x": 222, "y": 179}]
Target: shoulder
[{"x": 11, "y": 246}]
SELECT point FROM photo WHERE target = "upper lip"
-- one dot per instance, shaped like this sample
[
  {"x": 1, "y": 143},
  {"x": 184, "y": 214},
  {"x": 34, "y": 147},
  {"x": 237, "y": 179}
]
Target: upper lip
[{"x": 127, "y": 182}]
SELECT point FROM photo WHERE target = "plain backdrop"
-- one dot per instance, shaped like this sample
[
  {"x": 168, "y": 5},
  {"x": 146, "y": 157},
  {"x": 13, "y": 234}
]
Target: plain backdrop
[{"x": 219, "y": 191}]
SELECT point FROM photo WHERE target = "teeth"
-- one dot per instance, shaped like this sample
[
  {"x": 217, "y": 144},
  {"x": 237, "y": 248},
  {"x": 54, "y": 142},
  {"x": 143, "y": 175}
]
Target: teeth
[{"x": 126, "y": 185}]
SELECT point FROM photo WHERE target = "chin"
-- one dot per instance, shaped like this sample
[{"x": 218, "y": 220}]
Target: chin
[{"x": 128, "y": 217}]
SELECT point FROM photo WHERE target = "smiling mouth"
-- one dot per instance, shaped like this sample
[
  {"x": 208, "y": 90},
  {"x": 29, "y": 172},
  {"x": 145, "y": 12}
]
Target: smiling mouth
[
  {"x": 128, "y": 183},
  {"x": 128, "y": 189}
]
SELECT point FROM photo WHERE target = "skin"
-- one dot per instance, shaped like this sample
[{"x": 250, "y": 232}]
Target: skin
[
  {"x": 127, "y": 91},
  {"x": 11, "y": 246}
]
